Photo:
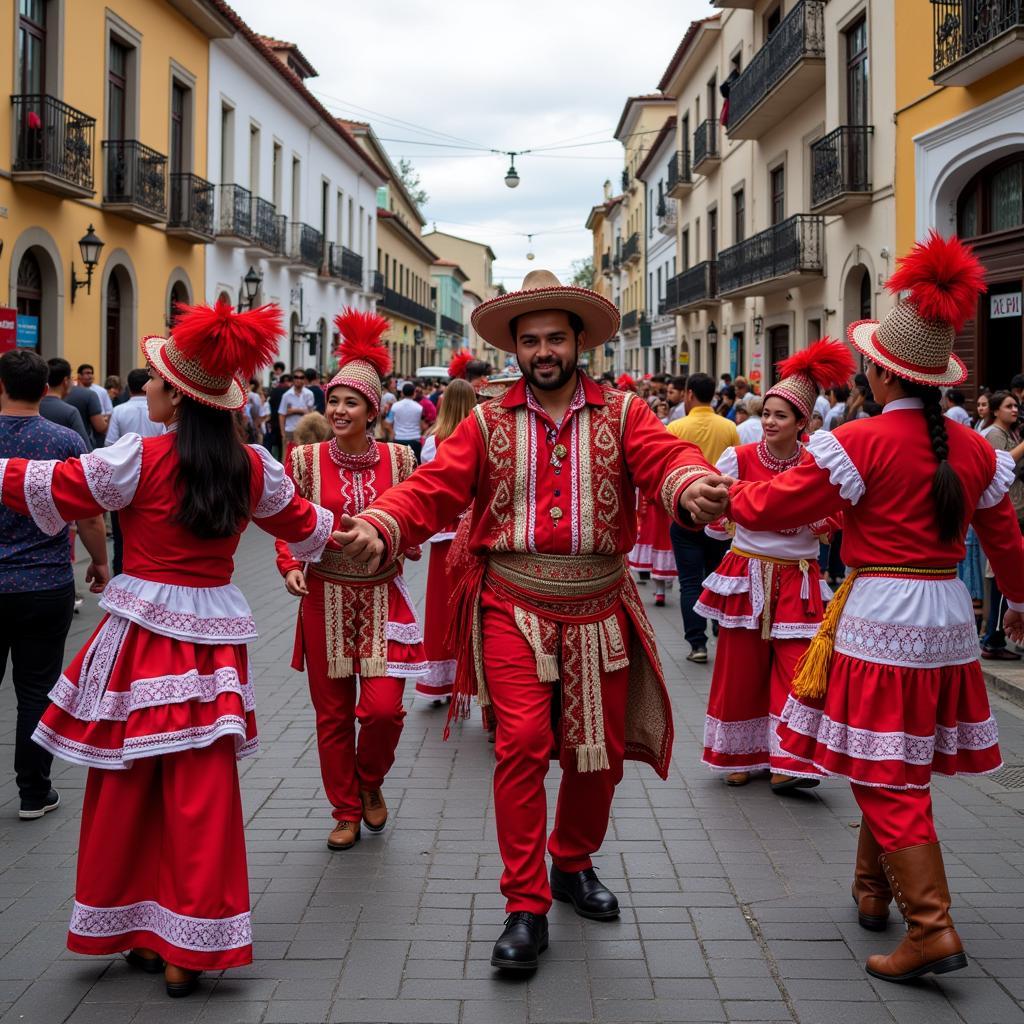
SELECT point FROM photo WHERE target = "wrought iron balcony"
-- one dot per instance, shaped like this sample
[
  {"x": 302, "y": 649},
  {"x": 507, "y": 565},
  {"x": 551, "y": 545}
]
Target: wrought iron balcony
[
  {"x": 606, "y": 264},
  {"x": 52, "y": 145},
  {"x": 841, "y": 169},
  {"x": 346, "y": 264},
  {"x": 783, "y": 73},
  {"x": 693, "y": 288},
  {"x": 451, "y": 326},
  {"x": 235, "y": 223},
  {"x": 398, "y": 304},
  {"x": 267, "y": 229},
  {"x": 631, "y": 248},
  {"x": 775, "y": 258},
  {"x": 191, "y": 208},
  {"x": 630, "y": 320},
  {"x": 666, "y": 216},
  {"x": 377, "y": 283},
  {"x": 973, "y": 38},
  {"x": 680, "y": 176},
  {"x": 706, "y": 156},
  {"x": 134, "y": 180},
  {"x": 625, "y": 179},
  {"x": 307, "y": 245}
]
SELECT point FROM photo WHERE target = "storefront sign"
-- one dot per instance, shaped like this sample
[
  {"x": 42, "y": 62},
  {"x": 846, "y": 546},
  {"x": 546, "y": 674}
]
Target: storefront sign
[
  {"x": 734, "y": 351},
  {"x": 8, "y": 328},
  {"x": 28, "y": 332},
  {"x": 684, "y": 357},
  {"x": 1007, "y": 304}
]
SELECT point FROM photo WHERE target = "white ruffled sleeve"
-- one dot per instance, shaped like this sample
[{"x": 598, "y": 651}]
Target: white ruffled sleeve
[
  {"x": 1001, "y": 480},
  {"x": 831, "y": 456},
  {"x": 112, "y": 473},
  {"x": 728, "y": 463},
  {"x": 278, "y": 489}
]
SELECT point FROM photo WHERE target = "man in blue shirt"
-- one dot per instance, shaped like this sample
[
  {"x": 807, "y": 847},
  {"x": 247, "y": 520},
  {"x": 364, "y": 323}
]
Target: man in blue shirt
[{"x": 37, "y": 585}]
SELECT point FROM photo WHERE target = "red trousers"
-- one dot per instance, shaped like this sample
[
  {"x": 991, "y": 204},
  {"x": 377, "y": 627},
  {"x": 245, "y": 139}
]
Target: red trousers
[
  {"x": 161, "y": 861},
  {"x": 348, "y": 765},
  {"x": 898, "y": 818},
  {"x": 522, "y": 751}
]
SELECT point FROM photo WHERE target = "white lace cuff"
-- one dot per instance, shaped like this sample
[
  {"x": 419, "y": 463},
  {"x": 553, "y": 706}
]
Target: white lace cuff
[
  {"x": 278, "y": 489},
  {"x": 831, "y": 456},
  {"x": 728, "y": 463},
  {"x": 312, "y": 548},
  {"x": 1001, "y": 480},
  {"x": 113, "y": 473},
  {"x": 39, "y": 496},
  {"x": 1017, "y": 606}
]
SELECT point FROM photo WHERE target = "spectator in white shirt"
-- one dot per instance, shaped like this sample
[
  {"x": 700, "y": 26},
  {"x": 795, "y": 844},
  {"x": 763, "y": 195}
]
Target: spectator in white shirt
[
  {"x": 676, "y": 392},
  {"x": 743, "y": 392},
  {"x": 748, "y": 420},
  {"x": 822, "y": 406},
  {"x": 407, "y": 420},
  {"x": 132, "y": 417},
  {"x": 294, "y": 405},
  {"x": 955, "y": 407}
]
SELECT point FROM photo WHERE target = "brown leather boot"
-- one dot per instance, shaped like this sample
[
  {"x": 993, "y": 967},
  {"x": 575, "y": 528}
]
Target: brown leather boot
[
  {"x": 344, "y": 836},
  {"x": 871, "y": 891},
  {"x": 932, "y": 945},
  {"x": 375, "y": 811}
]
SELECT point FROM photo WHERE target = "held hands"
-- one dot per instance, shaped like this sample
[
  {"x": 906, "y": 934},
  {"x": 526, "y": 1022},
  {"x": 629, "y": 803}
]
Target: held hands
[
  {"x": 1013, "y": 626},
  {"x": 295, "y": 583},
  {"x": 97, "y": 576},
  {"x": 359, "y": 541},
  {"x": 707, "y": 498}
]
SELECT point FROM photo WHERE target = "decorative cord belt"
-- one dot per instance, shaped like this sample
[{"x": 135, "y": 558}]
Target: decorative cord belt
[
  {"x": 768, "y": 580},
  {"x": 811, "y": 679}
]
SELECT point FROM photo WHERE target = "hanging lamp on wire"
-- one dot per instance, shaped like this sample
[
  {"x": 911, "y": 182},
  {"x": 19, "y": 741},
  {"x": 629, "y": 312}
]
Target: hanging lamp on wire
[
  {"x": 529, "y": 247},
  {"x": 512, "y": 176}
]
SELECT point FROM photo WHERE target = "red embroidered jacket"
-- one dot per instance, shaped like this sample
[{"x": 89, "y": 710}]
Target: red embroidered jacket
[{"x": 540, "y": 487}]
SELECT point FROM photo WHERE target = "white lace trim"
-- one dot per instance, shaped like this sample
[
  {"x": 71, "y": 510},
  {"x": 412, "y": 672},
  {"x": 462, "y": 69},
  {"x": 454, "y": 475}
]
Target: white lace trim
[
  {"x": 907, "y": 644},
  {"x": 442, "y": 536},
  {"x": 199, "y": 934},
  {"x": 39, "y": 496},
  {"x": 404, "y": 632},
  {"x": 831, "y": 456},
  {"x": 439, "y": 674},
  {"x": 3, "y": 473},
  {"x": 112, "y": 473},
  {"x": 750, "y": 736},
  {"x": 205, "y": 615},
  {"x": 780, "y": 630},
  {"x": 406, "y": 669},
  {"x": 727, "y": 586},
  {"x": 1001, "y": 480},
  {"x": 312, "y": 548},
  {"x": 278, "y": 488}
]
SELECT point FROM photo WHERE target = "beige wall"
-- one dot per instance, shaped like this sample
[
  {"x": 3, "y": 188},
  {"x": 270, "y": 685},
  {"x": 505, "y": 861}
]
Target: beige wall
[{"x": 472, "y": 258}]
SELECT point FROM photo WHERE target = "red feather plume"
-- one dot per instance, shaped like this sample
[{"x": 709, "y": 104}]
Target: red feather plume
[
  {"x": 361, "y": 338},
  {"x": 457, "y": 367},
  {"x": 828, "y": 363},
  {"x": 624, "y": 382},
  {"x": 226, "y": 343},
  {"x": 944, "y": 279}
]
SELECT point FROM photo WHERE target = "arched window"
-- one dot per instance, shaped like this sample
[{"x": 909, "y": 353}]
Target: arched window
[
  {"x": 178, "y": 297},
  {"x": 30, "y": 292},
  {"x": 993, "y": 199}
]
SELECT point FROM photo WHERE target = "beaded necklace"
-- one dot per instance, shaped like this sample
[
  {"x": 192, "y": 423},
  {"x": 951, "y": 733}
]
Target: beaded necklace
[
  {"x": 771, "y": 462},
  {"x": 356, "y": 463}
]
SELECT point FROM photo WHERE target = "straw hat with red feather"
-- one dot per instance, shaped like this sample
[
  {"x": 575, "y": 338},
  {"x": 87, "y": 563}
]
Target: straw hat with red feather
[
  {"x": 825, "y": 364},
  {"x": 363, "y": 361},
  {"x": 457, "y": 367},
  {"x": 915, "y": 339},
  {"x": 212, "y": 350}
]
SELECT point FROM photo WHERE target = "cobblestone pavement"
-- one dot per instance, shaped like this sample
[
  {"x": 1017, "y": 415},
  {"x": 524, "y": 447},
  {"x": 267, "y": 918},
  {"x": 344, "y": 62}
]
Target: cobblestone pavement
[{"x": 736, "y": 903}]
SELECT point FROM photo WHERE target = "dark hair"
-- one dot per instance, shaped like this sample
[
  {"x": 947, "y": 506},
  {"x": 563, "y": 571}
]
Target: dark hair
[
  {"x": 475, "y": 369},
  {"x": 727, "y": 377},
  {"x": 996, "y": 400},
  {"x": 1017, "y": 382},
  {"x": 702, "y": 386},
  {"x": 575, "y": 322},
  {"x": 947, "y": 491},
  {"x": 24, "y": 374},
  {"x": 137, "y": 381},
  {"x": 955, "y": 396},
  {"x": 408, "y": 389},
  {"x": 86, "y": 366},
  {"x": 311, "y": 374},
  {"x": 729, "y": 391},
  {"x": 279, "y": 365},
  {"x": 842, "y": 392},
  {"x": 60, "y": 370},
  {"x": 679, "y": 383},
  {"x": 214, "y": 472}
]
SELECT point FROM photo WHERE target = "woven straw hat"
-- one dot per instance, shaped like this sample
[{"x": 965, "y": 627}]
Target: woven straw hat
[
  {"x": 364, "y": 360},
  {"x": 825, "y": 364},
  {"x": 542, "y": 290}
]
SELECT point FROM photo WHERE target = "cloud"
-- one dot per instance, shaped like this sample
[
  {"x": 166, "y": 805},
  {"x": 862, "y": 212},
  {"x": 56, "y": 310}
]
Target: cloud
[{"x": 506, "y": 76}]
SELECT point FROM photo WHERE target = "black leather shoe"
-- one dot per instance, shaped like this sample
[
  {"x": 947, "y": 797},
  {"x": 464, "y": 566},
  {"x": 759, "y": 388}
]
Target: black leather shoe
[
  {"x": 585, "y": 891},
  {"x": 525, "y": 937}
]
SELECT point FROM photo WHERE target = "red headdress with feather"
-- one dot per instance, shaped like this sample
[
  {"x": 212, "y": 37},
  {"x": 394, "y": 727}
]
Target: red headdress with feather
[
  {"x": 625, "y": 383},
  {"x": 363, "y": 361},
  {"x": 825, "y": 364},
  {"x": 212, "y": 347},
  {"x": 457, "y": 367}
]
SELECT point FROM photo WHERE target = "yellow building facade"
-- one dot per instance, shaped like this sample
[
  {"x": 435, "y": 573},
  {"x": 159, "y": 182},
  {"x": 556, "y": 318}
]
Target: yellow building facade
[
  {"x": 107, "y": 128},
  {"x": 960, "y": 160}
]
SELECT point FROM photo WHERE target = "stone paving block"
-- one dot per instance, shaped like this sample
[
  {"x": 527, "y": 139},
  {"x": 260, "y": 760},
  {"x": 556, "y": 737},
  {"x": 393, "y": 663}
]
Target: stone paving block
[
  {"x": 393, "y": 1011},
  {"x": 297, "y": 1011}
]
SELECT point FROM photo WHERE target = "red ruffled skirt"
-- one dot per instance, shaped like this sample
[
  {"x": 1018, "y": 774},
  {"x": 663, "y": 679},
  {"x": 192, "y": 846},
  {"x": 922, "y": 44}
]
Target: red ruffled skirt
[
  {"x": 653, "y": 549},
  {"x": 436, "y": 683}
]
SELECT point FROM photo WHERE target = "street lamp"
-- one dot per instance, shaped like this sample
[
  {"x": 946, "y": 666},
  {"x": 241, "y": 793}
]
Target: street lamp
[
  {"x": 89, "y": 245},
  {"x": 512, "y": 178},
  {"x": 712, "y": 333},
  {"x": 251, "y": 285},
  {"x": 758, "y": 326}
]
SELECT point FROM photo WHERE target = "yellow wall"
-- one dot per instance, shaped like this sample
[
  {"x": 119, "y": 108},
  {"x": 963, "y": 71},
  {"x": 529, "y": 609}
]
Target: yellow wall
[
  {"x": 166, "y": 36},
  {"x": 921, "y": 105},
  {"x": 391, "y": 241}
]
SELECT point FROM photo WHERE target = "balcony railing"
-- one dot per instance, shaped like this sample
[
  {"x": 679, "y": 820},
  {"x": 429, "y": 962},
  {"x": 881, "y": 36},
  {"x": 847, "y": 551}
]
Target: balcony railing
[
  {"x": 134, "y": 180},
  {"x": 267, "y": 229},
  {"x": 680, "y": 176},
  {"x": 631, "y": 248},
  {"x": 695, "y": 287},
  {"x": 841, "y": 169},
  {"x": 346, "y": 264},
  {"x": 400, "y": 305},
  {"x": 307, "y": 245},
  {"x": 973, "y": 38},
  {"x": 606, "y": 264},
  {"x": 798, "y": 42},
  {"x": 451, "y": 326},
  {"x": 191, "y": 208},
  {"x": 377, "y": 283},
  {"x": 235, "y": 222},
  {"x": 630, "y": 320},
  {"x": 625, "y": 180},
  {"x": 773, "y": 258},
  {"x": 705, "y": 145},
  {"x": 53, "y": 145}
]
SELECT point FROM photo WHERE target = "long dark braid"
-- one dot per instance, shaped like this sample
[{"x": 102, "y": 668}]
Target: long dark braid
[{"x": 947, "y": 490}]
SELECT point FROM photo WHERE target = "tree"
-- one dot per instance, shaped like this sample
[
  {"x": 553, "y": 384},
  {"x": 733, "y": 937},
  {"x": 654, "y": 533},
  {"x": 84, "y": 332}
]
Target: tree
[
  {"x": 583, "y": 273},
  {"x": 411, "y": 180}
]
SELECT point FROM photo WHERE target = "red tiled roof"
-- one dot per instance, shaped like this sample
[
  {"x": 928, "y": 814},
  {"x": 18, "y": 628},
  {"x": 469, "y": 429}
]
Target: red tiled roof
[
  {"x": 684, "y": 45},
  {"x": 445, "y": 263},
  {"x": 668, "y": 127}
]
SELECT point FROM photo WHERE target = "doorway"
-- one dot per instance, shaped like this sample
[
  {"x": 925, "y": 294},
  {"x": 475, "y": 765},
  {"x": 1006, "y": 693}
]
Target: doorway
[
  {"x": 1002, "y": 333},
  {"x": 113, "y": 316},
  {"x": 30, "y": 293},
  {"x": 778, "y": 349}
]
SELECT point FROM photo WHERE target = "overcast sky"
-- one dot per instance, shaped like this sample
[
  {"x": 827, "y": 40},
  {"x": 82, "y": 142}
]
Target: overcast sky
[{"x": 507, "y": 76}]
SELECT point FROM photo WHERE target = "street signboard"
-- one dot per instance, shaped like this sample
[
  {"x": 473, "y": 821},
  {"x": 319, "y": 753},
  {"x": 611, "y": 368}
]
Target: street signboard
[
  {"x": 1007, "y": 304},
  {"x": 8, "y": 328},
  {"x": 27, "y": 331}
]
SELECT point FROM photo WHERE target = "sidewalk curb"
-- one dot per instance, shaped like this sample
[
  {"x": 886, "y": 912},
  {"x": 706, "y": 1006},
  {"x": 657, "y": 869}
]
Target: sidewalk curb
[{"x": 1006, "y": 688}]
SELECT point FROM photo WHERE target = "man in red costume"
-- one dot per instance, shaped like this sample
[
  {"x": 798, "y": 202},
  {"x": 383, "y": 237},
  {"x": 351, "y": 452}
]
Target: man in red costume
[{"x": 544, "y": 598}]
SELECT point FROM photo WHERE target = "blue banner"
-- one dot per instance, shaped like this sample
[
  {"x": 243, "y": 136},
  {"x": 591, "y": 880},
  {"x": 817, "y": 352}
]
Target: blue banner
[{"x": 28, "y": 331}]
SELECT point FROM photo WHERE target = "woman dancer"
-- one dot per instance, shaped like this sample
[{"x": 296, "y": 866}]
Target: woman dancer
[
  {"x": 159, "y": 703},
  {"x": 436, "y": 685},
  {"x": 767, "y": 594},
  {"x": 351, "y": 625},
  {"x": 652, "y": 554},
  {"x": 891, "y": 689}
]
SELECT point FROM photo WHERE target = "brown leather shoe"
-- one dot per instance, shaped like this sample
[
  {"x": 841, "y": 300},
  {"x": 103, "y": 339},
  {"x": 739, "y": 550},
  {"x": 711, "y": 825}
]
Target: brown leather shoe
[
  {"x": 871, "y": 891},
  {"x": 737, "y": 778},
  {"x": 918, "y": 881},
  {"x": 344, "y": 836},
  {"x": 375, "y": 811}
]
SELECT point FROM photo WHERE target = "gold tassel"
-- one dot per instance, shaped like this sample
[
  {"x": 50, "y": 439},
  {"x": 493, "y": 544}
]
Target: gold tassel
[
  {"x": 592, "y": 757},
  {"x": 340, "y": 667},
  {"x": 811, "y": 677},
  {"x": 767, "y": 570}
]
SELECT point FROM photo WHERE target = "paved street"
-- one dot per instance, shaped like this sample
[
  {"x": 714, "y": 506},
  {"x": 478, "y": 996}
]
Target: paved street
[{"x": 736, "y": 902}]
